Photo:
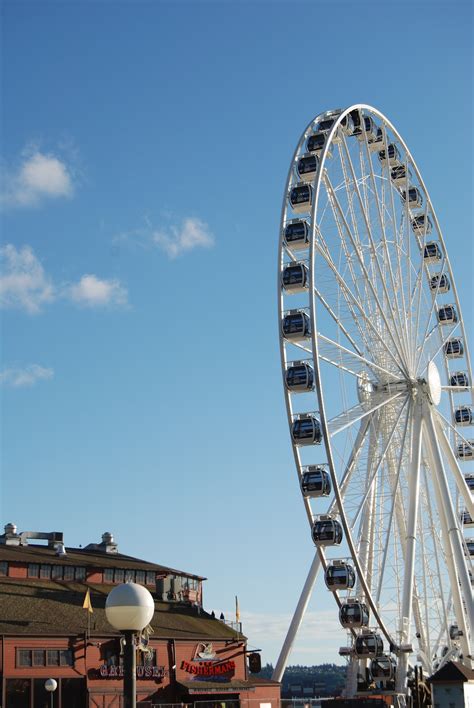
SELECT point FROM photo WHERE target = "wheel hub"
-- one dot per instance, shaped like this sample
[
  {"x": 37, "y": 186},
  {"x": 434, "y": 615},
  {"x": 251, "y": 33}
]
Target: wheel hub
[{"x": 433, "y": 384}]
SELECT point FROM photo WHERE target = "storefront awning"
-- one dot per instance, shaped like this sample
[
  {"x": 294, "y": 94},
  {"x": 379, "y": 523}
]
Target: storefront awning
[{"x": 210, "y": 687}]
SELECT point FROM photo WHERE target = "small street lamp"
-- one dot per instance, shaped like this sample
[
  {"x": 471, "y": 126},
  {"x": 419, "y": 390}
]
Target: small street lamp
[
  {"x": 129, "y": 608},
  {"x": 51, "y": 685}
]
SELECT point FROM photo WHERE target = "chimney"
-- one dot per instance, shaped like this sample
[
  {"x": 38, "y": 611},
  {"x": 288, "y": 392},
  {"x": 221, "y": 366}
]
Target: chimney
[{"x": 10, "y": 537}]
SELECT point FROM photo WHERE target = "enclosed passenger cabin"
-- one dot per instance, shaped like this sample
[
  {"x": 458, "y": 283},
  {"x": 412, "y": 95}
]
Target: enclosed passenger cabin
[
  {"x": 316, "y": 142},
  {"x": 327, "y": 122},
  {"x": 368, "y": 644},
  {"x": 296, "y": 234},
  {"x": 400, "y": 175},
  {"x": 463, "y": 415},
  {"x": 421, "y": 224},
  {"x": 366, "y": 127},
  {"x": 470, "y": 482},
  {"x": 376, "y": 143},
  {"x": 466, "y": 519},
  {"x": 356, "y": 120},
  {"x": 295, "y": 277},
  {"x": 454, "y": 632},
  {"x": 307, "y": 166},
  {"x": 296, "y": 326},
  {"x": 470, "y": 546},
  {"x": 326, "y": 532},
  {"x": 299, "y": 377},
  {"x": 339, "y": 576},
  {"x": 347, "y": 124},
  {"x": 383, "y": 668},
  {"x": 447, "y": 314},
  {"x": 353, "y": 614},
  {"x": 306, "y": 430},
  {"x": 301, "y": 197},
  {"x": 415, "y": 197},
  {"x": 432, "y": 252},
  {"x": 391, "y": 154},
  {"x": 465, "y": 450},
  {"x": 440, "y": 283},
  {"x": 459, "y": 378},
  {"x": 315, "y": 482},
  {"x": 454, "y": 348}
]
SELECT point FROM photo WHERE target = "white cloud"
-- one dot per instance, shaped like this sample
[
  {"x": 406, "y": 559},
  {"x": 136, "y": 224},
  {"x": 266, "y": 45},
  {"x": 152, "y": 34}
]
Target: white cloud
[
  {"x": 39, "y": 176},
  {"x": 23, "y": 282},
  {"x": 24, "y": 285},
  {"x": 176, "y": 240},
  {"x": 29, "y": 375},
  {"x": 91, "y": 291}
]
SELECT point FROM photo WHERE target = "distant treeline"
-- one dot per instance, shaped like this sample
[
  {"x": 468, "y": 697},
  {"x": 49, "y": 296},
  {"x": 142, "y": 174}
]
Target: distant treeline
[{"x": 309, "y": 681}]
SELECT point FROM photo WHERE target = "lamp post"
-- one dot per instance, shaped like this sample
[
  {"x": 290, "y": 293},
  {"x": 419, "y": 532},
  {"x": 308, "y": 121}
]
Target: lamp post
[
  {"x": 129, "y": 608},
  {"x": 51, "y": 685}
]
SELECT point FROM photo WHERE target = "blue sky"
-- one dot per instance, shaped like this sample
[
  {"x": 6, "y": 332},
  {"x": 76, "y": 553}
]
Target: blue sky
[{"x": 144, "y": 152}]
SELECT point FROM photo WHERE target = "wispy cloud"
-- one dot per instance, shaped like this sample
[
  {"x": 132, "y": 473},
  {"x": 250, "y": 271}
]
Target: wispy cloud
[
  {"x": 39, "y": 176},
  {"x": 24, "y": 285},
  {"x": 27, "y": 376},
  {"x": 175, "y": 239},
  {"x": 91, "y": 291}
]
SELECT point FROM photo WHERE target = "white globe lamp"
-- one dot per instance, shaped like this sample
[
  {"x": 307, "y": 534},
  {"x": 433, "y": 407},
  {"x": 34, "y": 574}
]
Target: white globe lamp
[
  {"x": 51, "y": 685},
  {"x": 129, "y": 608}
]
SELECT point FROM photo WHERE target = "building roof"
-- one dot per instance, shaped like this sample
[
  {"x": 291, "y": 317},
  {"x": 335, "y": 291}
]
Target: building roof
[
  {"x": 48, "y": 607},
  {"x": 80, "y": 556},
  {"x": 452, "y": 671}
]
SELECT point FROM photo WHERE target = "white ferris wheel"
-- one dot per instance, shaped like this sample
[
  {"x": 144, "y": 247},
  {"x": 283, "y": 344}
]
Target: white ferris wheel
[{"x": 378, "y": 388}]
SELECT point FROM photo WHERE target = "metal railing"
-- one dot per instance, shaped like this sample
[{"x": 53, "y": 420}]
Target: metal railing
[{"x": 249, "y": 703}]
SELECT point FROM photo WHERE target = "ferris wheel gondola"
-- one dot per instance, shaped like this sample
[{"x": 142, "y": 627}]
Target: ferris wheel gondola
[{"x": 372, "y": 338}]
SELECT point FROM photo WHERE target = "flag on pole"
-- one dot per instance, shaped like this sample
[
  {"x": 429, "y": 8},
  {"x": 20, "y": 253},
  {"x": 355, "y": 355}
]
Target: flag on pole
[
  {"x": 237, "y": 611},
  {"x": 87, "y": 604}
]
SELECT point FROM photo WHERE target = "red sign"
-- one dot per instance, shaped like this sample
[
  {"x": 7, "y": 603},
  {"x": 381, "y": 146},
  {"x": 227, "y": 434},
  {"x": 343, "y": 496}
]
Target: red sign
[
  {"x": 148, "y": 672},
  {"x": 207, "y": 668}
]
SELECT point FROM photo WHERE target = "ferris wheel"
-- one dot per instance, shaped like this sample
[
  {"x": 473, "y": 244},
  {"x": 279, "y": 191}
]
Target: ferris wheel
[{"x": 378, "y": 388}]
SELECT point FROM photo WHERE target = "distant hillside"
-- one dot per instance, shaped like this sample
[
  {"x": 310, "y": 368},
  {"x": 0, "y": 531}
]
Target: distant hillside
[{"x": 309, "y": 681}]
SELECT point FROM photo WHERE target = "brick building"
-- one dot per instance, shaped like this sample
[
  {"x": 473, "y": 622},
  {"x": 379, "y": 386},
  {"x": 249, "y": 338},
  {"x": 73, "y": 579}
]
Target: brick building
[{"x": 188, "y": 657}]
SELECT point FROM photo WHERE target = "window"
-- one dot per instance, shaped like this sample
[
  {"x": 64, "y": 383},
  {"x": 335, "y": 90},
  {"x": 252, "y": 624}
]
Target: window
[
  {"x": 110, "y": 653},
  {"x": 130, "y": 576},
  {"x": 23, "y": 657},
  {"x": 65, "y": 657},
  {"x": 73, "y": 692},
  {"x": 57, "y": 572},
  {"x": 18, "y": 693},
  {"x": 80, "y": 573},
  {"x": 119, "y": 575},
  {"x": 140, "y": 576},
  {"x": 38, "y": 657},
  {"x": 150, "y": 578},
  {"x": 68, "y": 573},
  {"x": 41, "y": 697},
  {"x": 45, "y": 571},
  {"x": 146, "y": 658},
  {"x": 3, "y": 568},
  {"x": 44, "y": 657},
  {"x": 108, "y": 575},
  {"x": 33, "y": 570},
  {"x": 52, "y": 657}
]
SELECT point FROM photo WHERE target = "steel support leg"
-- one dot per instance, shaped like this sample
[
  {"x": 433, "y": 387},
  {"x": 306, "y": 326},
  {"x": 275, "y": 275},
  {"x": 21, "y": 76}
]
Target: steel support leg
[
  {"x": 452, "y": 540},
  {"x": 297, "y": 618},
  {"x": 410, "y": 543}
]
